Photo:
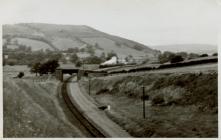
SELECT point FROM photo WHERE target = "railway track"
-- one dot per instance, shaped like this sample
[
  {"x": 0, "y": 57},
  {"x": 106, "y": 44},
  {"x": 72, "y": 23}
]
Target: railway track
[{"x": 91, "y": 129}]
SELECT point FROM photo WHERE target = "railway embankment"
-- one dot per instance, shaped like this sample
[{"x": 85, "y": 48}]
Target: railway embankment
[
  {"x": 176, "y": 104},
  {"x": 93, "y": 115}
]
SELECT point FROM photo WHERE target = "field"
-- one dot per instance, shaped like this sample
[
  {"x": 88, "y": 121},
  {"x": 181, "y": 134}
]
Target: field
[
  {"x": 34, "y": 107},
  {"x": 206, "y": 68},
  {"x": 178, "y": 103},
  {"x": 68, "y": 36}
]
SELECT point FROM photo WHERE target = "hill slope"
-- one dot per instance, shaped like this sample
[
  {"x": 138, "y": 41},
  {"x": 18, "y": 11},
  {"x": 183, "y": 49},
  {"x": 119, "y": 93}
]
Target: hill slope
[
  {"x": 60, "y": 37},
  {"x": 196, "y": 48}
]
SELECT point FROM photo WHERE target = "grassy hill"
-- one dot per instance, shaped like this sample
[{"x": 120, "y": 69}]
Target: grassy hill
[
  {"x": 195, "y": 48},
  {"x": 179, "y": 103},
  {"x": 61, "y": 37}
]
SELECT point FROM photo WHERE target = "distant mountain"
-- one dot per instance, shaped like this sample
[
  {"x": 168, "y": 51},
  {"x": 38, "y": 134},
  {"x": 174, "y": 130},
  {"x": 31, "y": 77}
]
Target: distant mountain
[
  {"x": 60, "y": 37},
  {"x": 195, "y": 48}
]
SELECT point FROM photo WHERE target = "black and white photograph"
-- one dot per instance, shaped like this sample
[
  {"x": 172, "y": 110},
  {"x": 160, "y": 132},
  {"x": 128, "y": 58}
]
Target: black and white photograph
[{"x": 109, "y": 68}]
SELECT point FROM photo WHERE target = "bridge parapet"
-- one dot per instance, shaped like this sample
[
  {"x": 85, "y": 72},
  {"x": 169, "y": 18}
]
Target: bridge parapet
[{"x": 79, "y": 72}]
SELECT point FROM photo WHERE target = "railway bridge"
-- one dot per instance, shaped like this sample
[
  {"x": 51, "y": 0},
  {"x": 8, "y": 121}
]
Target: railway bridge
[{"x": 60, "y": 71}]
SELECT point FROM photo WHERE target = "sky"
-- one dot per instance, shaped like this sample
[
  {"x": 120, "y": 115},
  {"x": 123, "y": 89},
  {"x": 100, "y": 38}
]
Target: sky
[{"x": 150, "y": 22}]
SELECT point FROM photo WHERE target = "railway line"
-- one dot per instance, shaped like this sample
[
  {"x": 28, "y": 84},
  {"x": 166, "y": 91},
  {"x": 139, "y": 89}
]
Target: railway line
[
  {"x": 88, "y": 126},
  {"x": 98, "y": 132},
  {"x": 156, "y": 67}
]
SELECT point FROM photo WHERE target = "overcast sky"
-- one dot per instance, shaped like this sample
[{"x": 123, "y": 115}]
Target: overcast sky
[{"x": 151, "y": 22}]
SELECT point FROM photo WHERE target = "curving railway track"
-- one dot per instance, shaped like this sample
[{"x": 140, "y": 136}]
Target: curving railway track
[{"x": 88, "y": 126}]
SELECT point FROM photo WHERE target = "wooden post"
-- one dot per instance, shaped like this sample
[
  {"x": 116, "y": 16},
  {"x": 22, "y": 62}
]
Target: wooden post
[
  {"x": 61, "y": 75},
  {"x": 143, "y": 102},
  {"x": 89, "y": 85}
]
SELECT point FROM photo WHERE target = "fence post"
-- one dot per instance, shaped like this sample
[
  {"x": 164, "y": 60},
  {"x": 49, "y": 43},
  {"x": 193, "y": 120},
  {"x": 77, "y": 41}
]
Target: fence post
[
  {"x": 89, "y": 85},
  {"x": 143, "y": 102}
]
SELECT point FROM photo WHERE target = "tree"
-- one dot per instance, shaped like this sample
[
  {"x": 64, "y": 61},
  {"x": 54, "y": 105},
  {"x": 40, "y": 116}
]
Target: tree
[
  {"x": 28, "y": 49},
  {"x": 145, "y": 60},
  {"x": 183, "y": 54},
  {"x": 36, "y": 68},
  {"x": 8, "y": 40},
  {"x": 20, "y": 74},
  {"x": 72, "y": 50},
  {"x": 22, "y": 47},
  {"x": 93, "y": 60},
  {"x": 193, "y": 55},
  {"x": 12, "y": 62},
  {"x": 78, "y": 63},
  {"x": 82, "y": 50},
  {"x": 74, "y": 58},
  {"x": 54, "y": 56},
  {"x": 129, "y": 58},
  {"x": 165, "y": 57},
  {"x": 96, "y": 45},
  {"x": 103, "y": 56},
  {"x": 215, "y": 54},
  {"x": 51, "y": 65},
  {"x": 110, "y": 55},
  {"x": 204, "y": 55},
  {"x": 90, "y": 50},
  {"x": 176, "y": 58},
  {"x": 45, "y": 68},
  {"x": 4, "y": 46},
  {"x": 48, "y": 51},
  {"x": 4, "y": 62}
]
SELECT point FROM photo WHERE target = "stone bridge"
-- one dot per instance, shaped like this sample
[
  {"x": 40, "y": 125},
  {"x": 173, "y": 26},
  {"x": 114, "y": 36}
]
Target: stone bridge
[{"x": 60, "y": 71}]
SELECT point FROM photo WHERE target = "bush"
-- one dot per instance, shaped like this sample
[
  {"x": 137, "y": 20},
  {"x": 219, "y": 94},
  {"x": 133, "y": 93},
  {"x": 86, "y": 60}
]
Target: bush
[
  {"x": 11, "y": 62},
  {"x": 193, "y": 55},
  {"x": 176, "y": 58},
  {"x": 20, "y": 75},
  {"x": 78, "y": 64},
  {"x": 204, "y": 55},
  {"x": 45, "y": 68},
  {"x": 157, "y": 100},
  {"x": 110, "y": 55},
  {"x": 168, "y": 95},
  {"x": 74, "y": 58},
  {"x": 165, "y": 57},
  {"x": 93, "y": 60},
  {"x": 215, "y": 54}
]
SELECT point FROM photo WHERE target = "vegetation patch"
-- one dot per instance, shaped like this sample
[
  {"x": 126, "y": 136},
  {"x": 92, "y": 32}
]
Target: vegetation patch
[{"x": 177, "y": 105}]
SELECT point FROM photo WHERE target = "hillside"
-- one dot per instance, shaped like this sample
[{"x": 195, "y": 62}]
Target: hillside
[
  {"x": 61, "y": 37},
  {"x": 34, "y": 107},
  {"x": 195, "y": 48},
  {"x": 178, "y": 102}
]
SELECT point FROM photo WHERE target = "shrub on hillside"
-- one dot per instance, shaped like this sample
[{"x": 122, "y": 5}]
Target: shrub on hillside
[
  {"x": 35, "y": 68},
  {"x": 110, "y": 55},
  {"x": 199, "y": 91},
  {"x": 176, "y": 58},
  {"x": 74, "y": 58},
  {"x": 167, "y": 96},
  {"x": 11, "y": 62},
  {"x": 20, "y": 75},
  {"x": 78, "y": 63},
  {"x": 193, "y": 55},
  {"x": 165, "y": 57},
  {"x": 215, "y": 54},
  {"x": 93, "y": 60},
  {"x": 204, "y": 55},
  {"x": 45, "y": 68}
]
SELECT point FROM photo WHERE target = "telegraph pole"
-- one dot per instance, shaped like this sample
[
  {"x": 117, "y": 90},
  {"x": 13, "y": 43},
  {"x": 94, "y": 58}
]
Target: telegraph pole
[
  {"x": 89, "y": 85},
  {"x": 143, "y": 102}
]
